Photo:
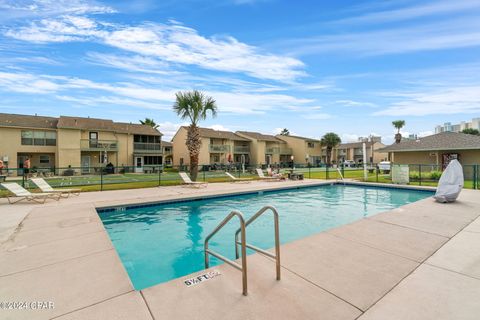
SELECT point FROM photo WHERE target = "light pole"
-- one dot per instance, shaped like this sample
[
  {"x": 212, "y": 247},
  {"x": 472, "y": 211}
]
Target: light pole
[{"x": 293, "y": 163}]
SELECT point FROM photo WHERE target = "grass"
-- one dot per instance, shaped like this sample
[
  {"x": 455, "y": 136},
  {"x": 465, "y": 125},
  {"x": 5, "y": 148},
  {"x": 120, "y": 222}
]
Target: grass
[{"x": 135, "y": 180}]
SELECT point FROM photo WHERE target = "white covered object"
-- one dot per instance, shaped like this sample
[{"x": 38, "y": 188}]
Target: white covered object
[{"x": 450, "y": 183}]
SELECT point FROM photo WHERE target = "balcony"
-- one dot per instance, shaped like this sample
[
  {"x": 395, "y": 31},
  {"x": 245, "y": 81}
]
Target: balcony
[
  {"x": 147, "y": 147},
  {"x": 241, "y": 149},
  {"x": 98, "y": 145},
  {"x": 219, "y": 148},
  {"x": 278, "y": 150}
]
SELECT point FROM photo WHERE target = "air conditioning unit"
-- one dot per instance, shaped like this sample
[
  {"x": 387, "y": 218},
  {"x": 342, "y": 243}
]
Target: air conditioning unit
[
  {"x": 433, "y": 154},
  {"x": 5, "y": 159}
]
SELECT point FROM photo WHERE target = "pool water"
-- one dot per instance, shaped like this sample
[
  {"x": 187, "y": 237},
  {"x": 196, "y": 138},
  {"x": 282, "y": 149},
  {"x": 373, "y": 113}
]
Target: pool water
[{"x": 165, "y": 241}]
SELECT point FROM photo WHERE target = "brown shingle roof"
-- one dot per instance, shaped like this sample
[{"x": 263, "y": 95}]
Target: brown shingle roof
[
  {"x": 136, "y": 128},
  {"x": 219, "y": 134},
  {"x": 260, "y": 136},
  {"x": 298, "y": 137},
  {"x": 439, "y": 141},
  {"x": 354, "y": 145},
  {"x": 105, "y": 125},
  {"x": 26, "y": 121},
  {"x": 166, "y": 144}
]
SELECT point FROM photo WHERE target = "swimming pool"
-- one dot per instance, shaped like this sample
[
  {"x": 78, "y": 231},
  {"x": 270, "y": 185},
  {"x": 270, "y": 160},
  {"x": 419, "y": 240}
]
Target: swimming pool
[{"x": 161, "y": 242}]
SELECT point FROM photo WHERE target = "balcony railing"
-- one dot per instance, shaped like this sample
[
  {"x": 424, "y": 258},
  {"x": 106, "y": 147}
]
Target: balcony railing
[
  {"x": 98, "y": 145},
  {"x": 147, "y": 147},
  {"x": 241, "y": 149},
  {"x": 219, "y": 148},
  {"x": 278, "y": 150}
]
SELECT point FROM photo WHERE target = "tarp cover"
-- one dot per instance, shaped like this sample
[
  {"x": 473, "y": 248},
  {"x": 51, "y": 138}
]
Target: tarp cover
[{"x": 450, "y": 183}]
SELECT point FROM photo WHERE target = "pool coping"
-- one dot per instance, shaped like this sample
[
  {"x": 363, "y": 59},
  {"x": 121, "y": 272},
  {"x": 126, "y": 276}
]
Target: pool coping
[
  {"x": 139, "y": 204},
  {"x": 51, "y": 218}
]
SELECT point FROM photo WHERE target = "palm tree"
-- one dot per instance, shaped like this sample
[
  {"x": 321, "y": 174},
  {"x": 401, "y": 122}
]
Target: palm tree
[
  {"x": 398, "y": 124},
  {"x": 194, "y": 106},
  {"x": 285, "y": 132},
  {"x": 149, "y": 122},
  {"x": 330, "y": 140}
]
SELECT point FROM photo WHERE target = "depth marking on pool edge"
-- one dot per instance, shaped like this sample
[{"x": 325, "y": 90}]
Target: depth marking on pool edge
[{"x": 201, "y": 278}]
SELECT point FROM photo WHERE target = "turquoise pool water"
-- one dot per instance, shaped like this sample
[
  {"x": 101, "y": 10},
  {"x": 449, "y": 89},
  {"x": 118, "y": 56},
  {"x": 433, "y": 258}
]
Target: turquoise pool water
[{"x": 165, "y": 241}]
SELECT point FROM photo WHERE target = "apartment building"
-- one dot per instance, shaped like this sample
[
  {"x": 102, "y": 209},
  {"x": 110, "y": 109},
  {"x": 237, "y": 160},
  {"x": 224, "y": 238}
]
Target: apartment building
[
  {"x": 354, "y": 151},
  {"x": 459, "y": 127},
  {"x": 80, "y": 143},
  {"x": 304, "y": 150},
  {"x": 167, "y": 149},
  {"x": 267, "y": 149},
  {"x": 218, "y": 147},
  {"x": 437, "y": 149}
]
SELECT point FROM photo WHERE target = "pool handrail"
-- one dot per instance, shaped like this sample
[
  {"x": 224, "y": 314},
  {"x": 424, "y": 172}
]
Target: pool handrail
[
  {"x": 243, "y": 267},
  {"x": 275, "y": 256}
]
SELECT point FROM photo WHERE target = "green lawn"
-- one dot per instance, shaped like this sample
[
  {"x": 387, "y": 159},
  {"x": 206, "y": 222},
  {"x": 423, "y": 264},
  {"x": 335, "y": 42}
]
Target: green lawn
[{"x": 136, "y": 180}]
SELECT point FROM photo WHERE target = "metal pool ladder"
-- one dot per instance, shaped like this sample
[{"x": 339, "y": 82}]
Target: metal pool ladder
[{"x": 243, "y": 244}]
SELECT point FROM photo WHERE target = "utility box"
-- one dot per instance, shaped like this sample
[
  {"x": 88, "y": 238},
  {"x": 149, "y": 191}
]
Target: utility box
[{"x": 400, "y": 173}]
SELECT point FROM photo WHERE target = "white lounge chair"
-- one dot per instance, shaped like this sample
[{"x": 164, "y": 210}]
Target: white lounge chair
[
  {"x": 45, "y": 187},
  {"x": 23, "y": 194},
  {"x": 189, "y": 183},
  {"x": 263, "y": 177},
  {"x": 239, "y": 180}
]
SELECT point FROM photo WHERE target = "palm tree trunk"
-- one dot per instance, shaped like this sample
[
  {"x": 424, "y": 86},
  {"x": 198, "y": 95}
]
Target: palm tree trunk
[
  {"x": 329, "y": 156},
  {"x": 193, "y": 145}
]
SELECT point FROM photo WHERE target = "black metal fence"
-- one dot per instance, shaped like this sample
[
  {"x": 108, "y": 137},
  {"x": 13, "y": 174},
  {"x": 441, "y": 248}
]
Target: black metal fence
[{"x": 126, "y": 177}]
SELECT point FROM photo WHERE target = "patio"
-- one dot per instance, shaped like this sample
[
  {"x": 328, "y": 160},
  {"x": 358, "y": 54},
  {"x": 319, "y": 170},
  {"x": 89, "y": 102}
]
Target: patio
[{"x": 420, "y": 261}]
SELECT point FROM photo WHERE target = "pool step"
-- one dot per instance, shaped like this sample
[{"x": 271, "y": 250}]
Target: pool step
[{"x": 243, "y": 245}]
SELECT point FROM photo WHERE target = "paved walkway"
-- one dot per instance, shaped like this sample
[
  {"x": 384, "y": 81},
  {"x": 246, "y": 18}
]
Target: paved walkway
[{"x": 420, "y": 261}]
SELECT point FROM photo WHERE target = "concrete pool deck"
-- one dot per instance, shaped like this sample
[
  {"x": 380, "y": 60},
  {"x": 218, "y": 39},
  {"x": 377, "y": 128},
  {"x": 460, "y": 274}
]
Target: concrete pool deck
[{"x": 419, "y": 261}]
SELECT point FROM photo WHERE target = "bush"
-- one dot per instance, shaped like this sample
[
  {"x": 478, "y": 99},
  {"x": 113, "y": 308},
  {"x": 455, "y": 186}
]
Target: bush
[{"x": 435, "y": 175}]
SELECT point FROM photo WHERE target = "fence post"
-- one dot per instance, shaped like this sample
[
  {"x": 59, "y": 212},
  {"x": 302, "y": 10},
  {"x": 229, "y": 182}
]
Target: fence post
[
  {"x": 203, "y": 170},
  {"x": 101, "y": 178},
  {"x": 475, "y": 176},
  {"x": 309, "y": 171},
  {"x": 159, "y": 175},
  {"x": 343, "y": 169},
  {"x": 326, "y": 173},
  {"x": 23, "y": 178},
  {"x": 420, "y": 174},
  {"x": 376, "y": 172}
]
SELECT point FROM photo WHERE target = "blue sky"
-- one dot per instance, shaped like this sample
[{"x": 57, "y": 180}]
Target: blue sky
[{"x": 311, "y": 66}]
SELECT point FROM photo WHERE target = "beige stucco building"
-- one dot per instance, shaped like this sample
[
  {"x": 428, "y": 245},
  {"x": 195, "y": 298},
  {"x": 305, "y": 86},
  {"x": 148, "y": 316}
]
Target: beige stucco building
[
  {"x": 354, "y": 151},
  {"x": 267, "y": 149},
  {"x": 218, "y": 147},
  {"x": 437, "y": 149},
  {"x": 304, "y": 150},
  {"x": 82, "y": 144}
]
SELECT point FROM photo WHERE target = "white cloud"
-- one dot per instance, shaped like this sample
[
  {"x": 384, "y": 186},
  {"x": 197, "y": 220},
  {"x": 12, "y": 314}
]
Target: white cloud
[
  {"x": 169, "y": 129},
  {"x": 29, "y": 8},
  {"x": 352, "y": 103},
  {"x": 141, "y": 95},
  {"x": 180, "y": 44},
  {"x": 441, "y": 100},
  {"x": 448, "y": 33},
  {"x": 219, "y": 127},
  {"x": 348, "y": 137},
  {"x": 170, "y": 43},
  {"x": 412, "y": 12}
]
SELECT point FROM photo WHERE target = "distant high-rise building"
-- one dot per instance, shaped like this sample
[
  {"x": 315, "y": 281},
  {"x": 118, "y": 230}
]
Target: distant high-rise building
[{"x": 449, "y": 127}]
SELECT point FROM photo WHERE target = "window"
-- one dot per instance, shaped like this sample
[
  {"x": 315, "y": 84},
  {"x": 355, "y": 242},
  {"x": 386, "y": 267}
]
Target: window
[
  {"x": 39, "y": 138},
  {"x": 216, "y": 158},
  {"x": 50, "y": 138},
  {"x": 44, "y": 159},
  {"x": 310, "y": 145},
  {"x": 152, "y": 160},
  {"x": 27, "y": 138},
  {"x": 146, "y": 139}
]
